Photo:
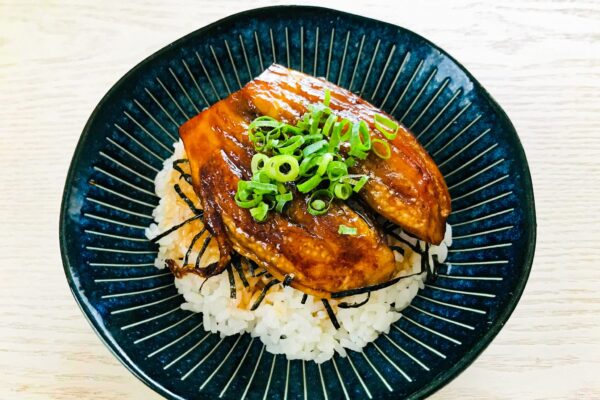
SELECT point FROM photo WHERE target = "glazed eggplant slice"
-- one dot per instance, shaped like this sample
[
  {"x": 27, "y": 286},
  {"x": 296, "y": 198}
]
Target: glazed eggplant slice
[{"x": 407, "y": 189}]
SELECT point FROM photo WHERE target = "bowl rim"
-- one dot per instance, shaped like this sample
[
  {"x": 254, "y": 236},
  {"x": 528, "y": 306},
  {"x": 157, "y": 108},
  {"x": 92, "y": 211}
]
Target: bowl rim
[{"x": 439, "y": 380}]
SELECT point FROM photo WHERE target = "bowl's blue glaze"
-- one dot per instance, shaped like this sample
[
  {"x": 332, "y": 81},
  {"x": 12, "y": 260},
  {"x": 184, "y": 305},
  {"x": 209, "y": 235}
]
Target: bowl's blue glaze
[{"x": 109, "y": 198}]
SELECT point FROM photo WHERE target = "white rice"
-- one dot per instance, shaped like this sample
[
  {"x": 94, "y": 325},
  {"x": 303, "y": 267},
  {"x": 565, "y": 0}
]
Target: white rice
[{"x": 282, "y": 322}]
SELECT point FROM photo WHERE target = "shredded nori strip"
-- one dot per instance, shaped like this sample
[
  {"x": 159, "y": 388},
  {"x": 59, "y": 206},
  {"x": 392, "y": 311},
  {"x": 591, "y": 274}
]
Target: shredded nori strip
[
  {"x": 194, "y": 240},
  {"x": 287, "y": 279},
  {"x": 203, "y": 282},
  {"x": 432, "y": 271},
  {"x": 331, "y": 314},
  {"x": 173, "y": 229},
  {"x": 202, "y": 250},
  {"x": 425, "y": 260},
  {"x": 398, "y": 249},
  {"x": 262, "y": 295},
  {"x": 413, "y": 247},
  {"x": 372, "y": 288},
  {"x": 232, "y": 289},
  {"x": 252, "y": 266},
  {"x": 389, "y": 227},
  {"x": 187, "y": 200},
  {"x": 304, "y": 298},
  {"x": 261, "y": 273},
  {"x": 182, "y": 174},
  {"x": 238, "y": 268},
  {"x": 355, "y": 305}
]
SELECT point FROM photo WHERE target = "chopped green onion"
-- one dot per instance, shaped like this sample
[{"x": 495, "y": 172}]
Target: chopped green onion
[
  {"x": 361, "y": 183},
  {"x": 385, "y": 152},
  {"x": 315, "y": 147},
  {"x": 259, "y": 212},
  {"x": 274, "y": 165},
  {"x": 360, "y": 138},
  {"x": 315, "y": 154},
  {"x": 319, "y": 202},
  {"x": 386, "y": 126},
  {"x": 342, "y": 190},
  {"x": 258, "y": 162},
  {"x": 247, "y": 199},
  {"x": 339, "y": 129},
  {"x": 309, "y": 184},
  {"x": 360, "y": 141},
  {"x": 350, "y": 162},
  {"x": 324, "y": 161},
  {"x": 281, "y": 200},
  {"x": 318, "y": 205},
  {"x": 281, "y": 189},
  {"x": 264, "y": 121},
  {"x": 308, "y": 164},
  {"x": 294, "y": 130},
  {"x": 316, "y": 120},
  {"x": 309, "y": 139},
  {"x": 261, "y": 188},
  {"x": 290, "y": 145},
  {"x": 327, "y": 97},
  {"x": 347, "y": 230},
  {"x": 358, "y": 154},
  {"x": 329, "y": 124},
  {"x": 336, "y": 170},
  {"x": 261, "y": 176}
]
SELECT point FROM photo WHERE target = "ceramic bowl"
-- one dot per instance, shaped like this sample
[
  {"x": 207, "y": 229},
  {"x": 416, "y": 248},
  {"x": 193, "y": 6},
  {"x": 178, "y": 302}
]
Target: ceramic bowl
[{"x": 109, "y": 197}]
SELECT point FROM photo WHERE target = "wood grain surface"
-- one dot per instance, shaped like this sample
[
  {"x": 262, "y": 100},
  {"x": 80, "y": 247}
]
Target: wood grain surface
[{"x": 539, "y": 59}]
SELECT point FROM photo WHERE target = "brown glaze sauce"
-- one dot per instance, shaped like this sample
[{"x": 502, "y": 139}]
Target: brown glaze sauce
[{"x": 407, "y": 189}]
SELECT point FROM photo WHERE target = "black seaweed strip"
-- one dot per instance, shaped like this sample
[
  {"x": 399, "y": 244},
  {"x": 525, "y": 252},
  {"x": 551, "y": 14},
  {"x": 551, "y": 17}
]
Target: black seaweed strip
[
  {"x": 187, "y": 200},
  {"x": 194, "y": 240},
  {"x": 263, "y": 294},
  {"x": 414, "y": 248},
  {"x": 261, "y": 273},
  {"x": 238, "y": 268},
  {"x": 187, "y": 177},
  {"x": 331, "y": 314},
  {"x": 355, "y": 305},
  {"x": 173, "y": 229},
  {"x": 372, "y": 288},
  {"x": 252, "y": 266},
  {"x": 398, "y": 249},
  {"x": 287, "y": 279},
  {"x": 232, "y": 289},
  {"x": 202, "y": 250}
]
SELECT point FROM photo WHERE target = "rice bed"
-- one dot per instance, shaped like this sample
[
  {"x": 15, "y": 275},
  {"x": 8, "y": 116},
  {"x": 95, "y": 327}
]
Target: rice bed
[{"x": 281, "y": 322}]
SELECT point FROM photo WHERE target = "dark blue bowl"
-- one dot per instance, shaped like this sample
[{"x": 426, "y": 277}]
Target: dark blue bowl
[{"x": 108, "y": 200}]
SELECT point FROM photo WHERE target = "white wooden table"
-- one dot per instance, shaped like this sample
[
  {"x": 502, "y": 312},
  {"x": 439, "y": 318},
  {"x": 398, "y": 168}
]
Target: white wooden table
[{"x": 539, "y": 59}]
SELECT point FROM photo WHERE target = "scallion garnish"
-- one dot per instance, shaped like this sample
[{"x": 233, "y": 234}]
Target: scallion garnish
[
  {"x": 314, "y": 155},
  {"x": 319, "y": 202},
  {"x": 282, "y": 168},
  {"x": 347, "y": 230},
  {"x": 386, "y": 126},
  {"x": 381, "y": 148},
  {"x": 361, "y": 183},
  {"x": 342, "y": 190},
  {"x": 259, "y": 212},
  {"x": 258, "y": 162},
  {"x": 327, "y": 98},
  {"x": 309, "y": 184}
]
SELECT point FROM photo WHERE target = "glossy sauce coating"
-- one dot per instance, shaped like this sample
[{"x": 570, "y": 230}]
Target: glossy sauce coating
[
  {"x": 295, "y": 243},
  {"x": 408, "y": 189}
]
